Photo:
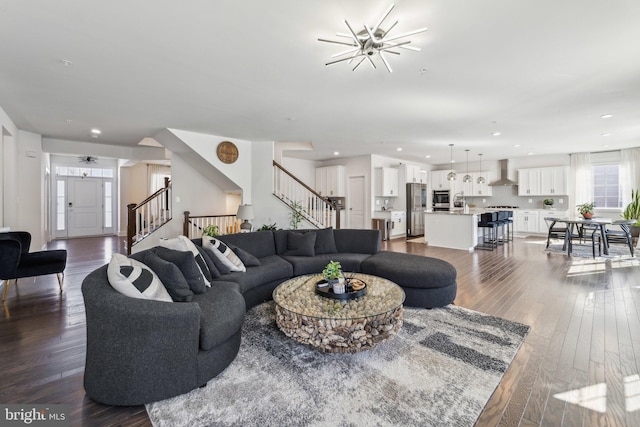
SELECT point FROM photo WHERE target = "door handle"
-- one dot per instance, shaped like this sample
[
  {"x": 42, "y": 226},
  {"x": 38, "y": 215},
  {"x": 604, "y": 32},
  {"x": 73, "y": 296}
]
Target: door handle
[{"x": 70, "y": 204}]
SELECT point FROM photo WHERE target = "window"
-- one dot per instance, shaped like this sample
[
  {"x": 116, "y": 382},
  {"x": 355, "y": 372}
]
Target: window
[
  {"x": 108, "y": 203},
  {"x": 606, "y": 186},
  {"x": 60, "y": 202}
]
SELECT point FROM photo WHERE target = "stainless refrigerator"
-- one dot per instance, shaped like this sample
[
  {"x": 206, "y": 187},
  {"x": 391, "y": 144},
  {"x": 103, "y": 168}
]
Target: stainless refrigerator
[{"x": 416, "y": 205}]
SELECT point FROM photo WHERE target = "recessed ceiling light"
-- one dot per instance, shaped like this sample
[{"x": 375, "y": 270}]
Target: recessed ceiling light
[
  {"x": 606, "y": 134},
  {"x": 427, "y": 156},
  {"x": 497, "y": 133},
  {"x": 516, "y": 145},
  {"x": 606, "y": 145},
  {"x": 530, "y": 153},
  {"x": 69, "y": 121},
  {"x": 606, "y": 116},
  {"x": 96, "y": 131},
  {"x": 399, "y": 149},
  {"x": 453, "y": 161},
  {"x": 336, "y": 153},
  {"x": 66, "y": 62}
]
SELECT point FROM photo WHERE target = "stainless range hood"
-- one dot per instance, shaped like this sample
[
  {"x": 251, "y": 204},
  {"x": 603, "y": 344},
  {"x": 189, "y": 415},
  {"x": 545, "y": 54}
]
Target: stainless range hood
[{"x": 504, "y": 179}]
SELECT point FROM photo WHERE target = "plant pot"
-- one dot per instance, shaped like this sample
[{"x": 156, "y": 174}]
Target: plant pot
[
  {"x": 635, "y": 233},
  {"x": 338, "y": 288},
  {"x": 587, "y": 215}
]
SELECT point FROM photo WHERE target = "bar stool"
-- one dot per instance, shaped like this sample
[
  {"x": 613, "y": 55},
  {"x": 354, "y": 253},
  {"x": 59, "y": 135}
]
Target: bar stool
[{"x": 489, "y": 223}]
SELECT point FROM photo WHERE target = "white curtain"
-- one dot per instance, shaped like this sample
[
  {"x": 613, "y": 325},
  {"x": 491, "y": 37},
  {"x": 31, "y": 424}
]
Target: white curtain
[
  {"x": 580, "y": 181},
  {"x": 155, "y": 177},
  {"x": 629, "y": 173}
]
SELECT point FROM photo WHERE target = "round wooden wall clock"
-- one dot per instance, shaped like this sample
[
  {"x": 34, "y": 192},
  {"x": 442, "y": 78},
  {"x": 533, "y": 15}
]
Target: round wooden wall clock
[{"x": 227, "y": 152}]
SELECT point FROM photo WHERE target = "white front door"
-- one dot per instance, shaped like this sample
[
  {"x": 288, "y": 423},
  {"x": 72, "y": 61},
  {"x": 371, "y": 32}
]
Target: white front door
[
  {"x": 356, "y": 199},
  {"x": 84, "y": 206}
]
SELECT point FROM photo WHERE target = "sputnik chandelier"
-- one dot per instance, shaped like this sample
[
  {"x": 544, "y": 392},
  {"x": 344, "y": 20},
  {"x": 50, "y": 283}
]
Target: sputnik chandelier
[{"x": 370, "y": 42}]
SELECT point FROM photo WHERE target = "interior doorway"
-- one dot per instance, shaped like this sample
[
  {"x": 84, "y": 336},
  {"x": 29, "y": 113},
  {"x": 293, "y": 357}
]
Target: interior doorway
[{"x": 356, "y": 199}]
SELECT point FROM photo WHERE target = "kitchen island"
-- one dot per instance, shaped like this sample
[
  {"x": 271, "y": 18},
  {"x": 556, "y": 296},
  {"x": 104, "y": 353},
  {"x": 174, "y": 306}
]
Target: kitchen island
[{"x": 455, "y": 230}]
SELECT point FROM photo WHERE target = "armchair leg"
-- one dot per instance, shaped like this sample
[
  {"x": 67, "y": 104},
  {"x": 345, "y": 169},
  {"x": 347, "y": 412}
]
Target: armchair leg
[
  {"x": 60, "y": 279},
  {"x": 6, "y": 289}
]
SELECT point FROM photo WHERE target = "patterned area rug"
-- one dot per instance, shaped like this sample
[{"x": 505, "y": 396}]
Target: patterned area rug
[
  {"x": 440, "y": 369},
  {"x": 586, "y": 250}
]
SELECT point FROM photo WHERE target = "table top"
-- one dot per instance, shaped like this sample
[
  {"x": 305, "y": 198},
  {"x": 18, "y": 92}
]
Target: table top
[
  {"x": 298, "y": 296},
  {"x": 580, "y": 220}
]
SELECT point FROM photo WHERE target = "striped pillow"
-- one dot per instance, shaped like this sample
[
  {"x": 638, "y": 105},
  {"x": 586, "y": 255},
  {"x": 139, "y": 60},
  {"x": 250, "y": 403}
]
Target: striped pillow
[
  {"x": 223, "y": 253},
  {"x": 134, "y": 279},
  {"x": 182, "y": 243}
]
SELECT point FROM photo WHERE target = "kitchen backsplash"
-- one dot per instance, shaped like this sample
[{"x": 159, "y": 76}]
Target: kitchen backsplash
[{"x": 508, "y": 196}]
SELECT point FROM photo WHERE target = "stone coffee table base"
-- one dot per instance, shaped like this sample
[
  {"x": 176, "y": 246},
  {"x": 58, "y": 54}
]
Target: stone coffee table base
[{"x": 340, "y": 335}]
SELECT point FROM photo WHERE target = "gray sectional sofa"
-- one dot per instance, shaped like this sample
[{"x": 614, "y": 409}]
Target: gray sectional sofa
[{"x": 140, "y": 351}]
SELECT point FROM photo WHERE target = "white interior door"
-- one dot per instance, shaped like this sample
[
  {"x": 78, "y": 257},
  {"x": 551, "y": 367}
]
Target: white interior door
[
  {"x": 84, "y": 206},
  {"x": 356, "y": 201}
]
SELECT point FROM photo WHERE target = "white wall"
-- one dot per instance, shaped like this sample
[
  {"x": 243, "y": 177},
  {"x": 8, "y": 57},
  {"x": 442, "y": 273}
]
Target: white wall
[{"x": 305, "y": 170}]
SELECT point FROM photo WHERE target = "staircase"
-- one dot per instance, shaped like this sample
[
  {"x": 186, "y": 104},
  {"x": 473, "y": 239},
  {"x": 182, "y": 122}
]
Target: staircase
[
  {"x": 149, "y": 215},
  {"x": 318, "y": 211}
]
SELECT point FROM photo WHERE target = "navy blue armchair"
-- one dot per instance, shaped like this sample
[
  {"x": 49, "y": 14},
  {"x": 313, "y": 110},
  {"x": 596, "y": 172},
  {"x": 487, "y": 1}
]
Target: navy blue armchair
[{"x": 17, "y": 262}]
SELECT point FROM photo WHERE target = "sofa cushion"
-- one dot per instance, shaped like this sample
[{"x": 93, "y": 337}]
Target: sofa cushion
[
  {"x": 222, "y": 312},
  {"x": 301, "y": 244},
  {"x": 187, "y": 264},
  {"x": 213, "y": 269},
  {"x": 325, "y": 242},
  {"x": 169, "y": 274},
  {"x": 181, "y": 243},
  {"x": 272, "y": 268},
  {"x": 134, "y": 279},
  {"x": 357, "y": 241},
  {"x": 223, "y": 252},
  {"x": 314, "y": 265},
  {"x": 247, "y": 259},
  {"x": 259, "y": 243}
]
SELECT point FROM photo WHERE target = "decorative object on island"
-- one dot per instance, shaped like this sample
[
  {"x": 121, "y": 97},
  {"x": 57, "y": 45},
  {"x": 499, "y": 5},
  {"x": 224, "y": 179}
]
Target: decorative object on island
[
  {"x": 211, "y": 231},
  {"x": 227, "y": 152},
  {"x": 480, "y": 179},
  {"x": 371, "y": 41},
  {"x": 451, "y": 176},
  {"x": 245, "y": 213},
  {"x": 547, "y": 203},
  {"x": 586, "y": 210},
  {"x": 295, "y": 216},
  {"x": 467, "y": 177}
]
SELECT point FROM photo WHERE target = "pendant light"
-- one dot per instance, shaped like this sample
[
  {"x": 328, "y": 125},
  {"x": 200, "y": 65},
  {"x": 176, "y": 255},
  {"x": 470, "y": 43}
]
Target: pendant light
[
  {"x": 451, "y": 176},
  {"x": 467, "y": 177},
  {"x": 480, "y": 179}
]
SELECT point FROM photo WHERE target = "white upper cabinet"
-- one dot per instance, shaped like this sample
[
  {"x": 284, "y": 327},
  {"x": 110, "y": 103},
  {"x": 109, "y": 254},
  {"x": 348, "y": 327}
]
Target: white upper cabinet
[
  {"x": 439, "y": 180},
  {"x": 483, "y": 189},
  {"x": 387, "y": 182},
  {"x": 543, "y": 181},
  {"x": 412, "y": 173},
  {"x": 330, "y": 181}
]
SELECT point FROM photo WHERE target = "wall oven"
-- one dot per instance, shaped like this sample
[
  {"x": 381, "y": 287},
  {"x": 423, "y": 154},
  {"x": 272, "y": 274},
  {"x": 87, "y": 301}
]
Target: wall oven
[{"x": 440, "y": 201}]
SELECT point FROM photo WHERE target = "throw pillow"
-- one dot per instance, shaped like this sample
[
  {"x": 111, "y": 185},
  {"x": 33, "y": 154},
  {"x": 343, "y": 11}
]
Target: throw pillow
[
  {"x": 182, "y": 243},
  {"x": 188, "y": 266},
  {"x": 222, "y": 268},
  {"x": 134, "y": 279},
  {"x": 215, "y": 273},
  {"x": 247, "y": 259},
  {"x": 301, "y": 244},
  {"x": 325, "y": 242},
  {"x": 224, "y": 253},
  {"x": 170, "y": 275}
]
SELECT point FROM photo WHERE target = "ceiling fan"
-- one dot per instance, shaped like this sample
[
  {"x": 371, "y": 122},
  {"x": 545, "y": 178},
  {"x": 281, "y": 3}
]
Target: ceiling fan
[
  {"x": 87, "y": 159},
  {"x": 370, "y": 42}
]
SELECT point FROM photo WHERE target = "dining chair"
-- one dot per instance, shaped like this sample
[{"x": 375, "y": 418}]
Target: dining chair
[
  {"x": 622, "y": 236},
  {"x": 17, "y": 262}
]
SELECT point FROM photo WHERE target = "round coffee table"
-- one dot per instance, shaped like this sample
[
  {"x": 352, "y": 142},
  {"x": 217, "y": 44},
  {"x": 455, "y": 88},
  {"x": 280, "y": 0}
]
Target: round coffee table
[{"x": 339, "y": 326}]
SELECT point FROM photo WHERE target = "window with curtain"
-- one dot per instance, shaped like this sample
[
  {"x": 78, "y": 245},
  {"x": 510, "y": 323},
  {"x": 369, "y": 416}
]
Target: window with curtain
[
  {"x": 606, "y": 186},
  {"x": 156, "y": 175}
]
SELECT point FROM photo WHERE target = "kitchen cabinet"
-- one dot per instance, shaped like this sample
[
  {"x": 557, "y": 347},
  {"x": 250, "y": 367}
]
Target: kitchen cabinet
[
  {"x": 528, "y": 182},
  {"x": 439, "y": 180},
  {"x": 398, "y": 224},
  {"x": 526, "y": 221},
  {"x": 471, "y": 189},
  {"x": 387, "y": 182},
  {"x": 412, "y": 173},
  {"x": 330, "y": 181},
  {"x": 553, "y": 181},
  {"x": 543, "y": 181}
]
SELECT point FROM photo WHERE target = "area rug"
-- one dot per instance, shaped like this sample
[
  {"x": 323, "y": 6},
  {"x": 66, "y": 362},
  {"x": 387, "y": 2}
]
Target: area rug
[
  {"x": 441, "y": 369},
  {"x": 586, "y": 250}
]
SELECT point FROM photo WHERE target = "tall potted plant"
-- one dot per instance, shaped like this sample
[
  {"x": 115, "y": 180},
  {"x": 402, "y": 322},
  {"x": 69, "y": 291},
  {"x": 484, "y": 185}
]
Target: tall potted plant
[{"x": 632, "y": 211}]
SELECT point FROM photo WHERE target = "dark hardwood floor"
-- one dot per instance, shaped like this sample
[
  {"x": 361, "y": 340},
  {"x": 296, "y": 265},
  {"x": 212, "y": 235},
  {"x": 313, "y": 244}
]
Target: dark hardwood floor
[{"x": 584, "y": 316}]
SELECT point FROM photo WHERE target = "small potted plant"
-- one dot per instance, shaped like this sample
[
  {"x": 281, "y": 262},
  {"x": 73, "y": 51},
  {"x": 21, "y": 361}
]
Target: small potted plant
[
  {"x": 211, "y": 231},
  {"x": 548, "y": 203},
  {"x": 333, "y": 275},
  {"x": 586, "y": 210}
]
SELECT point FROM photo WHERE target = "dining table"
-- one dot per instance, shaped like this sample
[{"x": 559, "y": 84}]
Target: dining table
[{"x": 571, "y": 222}]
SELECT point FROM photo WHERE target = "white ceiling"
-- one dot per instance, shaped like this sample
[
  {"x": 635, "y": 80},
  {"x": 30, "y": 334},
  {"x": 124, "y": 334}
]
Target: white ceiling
[{"x": 540, "y": 72}]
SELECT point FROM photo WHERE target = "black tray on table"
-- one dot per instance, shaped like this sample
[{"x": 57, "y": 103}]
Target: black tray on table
[{"x": 349, "y": 293}]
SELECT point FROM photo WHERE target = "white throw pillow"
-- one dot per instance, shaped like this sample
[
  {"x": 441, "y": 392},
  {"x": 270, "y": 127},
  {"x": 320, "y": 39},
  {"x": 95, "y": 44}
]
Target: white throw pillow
[
  {"x": 134, "y": 279},
  {"x": 182, "y": 243},
  {"x": 223, "y": 253}
]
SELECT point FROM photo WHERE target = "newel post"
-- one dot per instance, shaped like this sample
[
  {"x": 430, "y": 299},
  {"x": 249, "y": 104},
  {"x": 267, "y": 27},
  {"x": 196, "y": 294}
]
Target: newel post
[
  {"x": 185, "y": 226},
  {"x": 131, "y": 225}
]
